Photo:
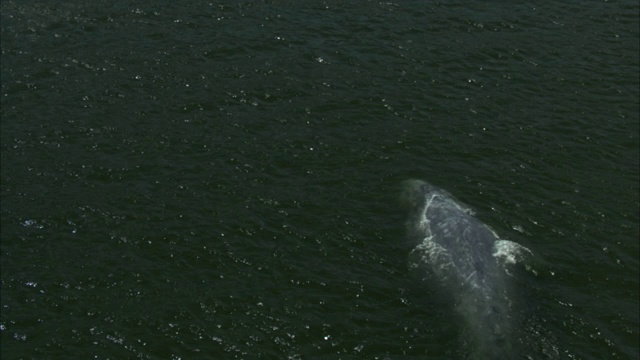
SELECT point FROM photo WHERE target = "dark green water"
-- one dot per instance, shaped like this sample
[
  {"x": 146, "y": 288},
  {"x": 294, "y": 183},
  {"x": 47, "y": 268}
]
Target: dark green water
[{"x": 220, "y": 180}]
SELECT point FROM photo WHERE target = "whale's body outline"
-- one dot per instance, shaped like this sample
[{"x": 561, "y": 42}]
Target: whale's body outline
[{"x": 466, "y": 259}]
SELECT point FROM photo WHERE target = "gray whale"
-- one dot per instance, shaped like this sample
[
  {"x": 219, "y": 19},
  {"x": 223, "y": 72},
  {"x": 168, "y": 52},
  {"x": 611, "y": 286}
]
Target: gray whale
[{"x": 467, "y": 260}]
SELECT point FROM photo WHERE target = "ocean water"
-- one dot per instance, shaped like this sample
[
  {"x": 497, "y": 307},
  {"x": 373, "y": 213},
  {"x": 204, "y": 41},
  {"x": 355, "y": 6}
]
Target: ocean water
[{"x": 220, "y": 180}]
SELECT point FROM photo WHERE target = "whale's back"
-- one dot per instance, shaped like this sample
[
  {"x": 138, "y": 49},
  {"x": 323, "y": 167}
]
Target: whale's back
[{"x": 457, "y": 252}]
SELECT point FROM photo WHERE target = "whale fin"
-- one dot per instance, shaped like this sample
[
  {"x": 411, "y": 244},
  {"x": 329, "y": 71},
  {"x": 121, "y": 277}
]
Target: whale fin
[
  {"x": 432, "y": 262},
  {"x": 509, "y": 253}
]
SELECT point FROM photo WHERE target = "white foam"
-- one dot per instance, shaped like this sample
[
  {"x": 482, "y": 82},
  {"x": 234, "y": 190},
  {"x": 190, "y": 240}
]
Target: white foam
[{"x": 510, "y": 252}]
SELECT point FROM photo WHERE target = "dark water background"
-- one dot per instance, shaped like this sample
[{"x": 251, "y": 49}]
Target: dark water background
[{"x": 219, "y": 179}]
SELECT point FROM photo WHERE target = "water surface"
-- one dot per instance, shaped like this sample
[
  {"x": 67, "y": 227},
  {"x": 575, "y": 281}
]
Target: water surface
[{"x": 220, "y": 179}]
